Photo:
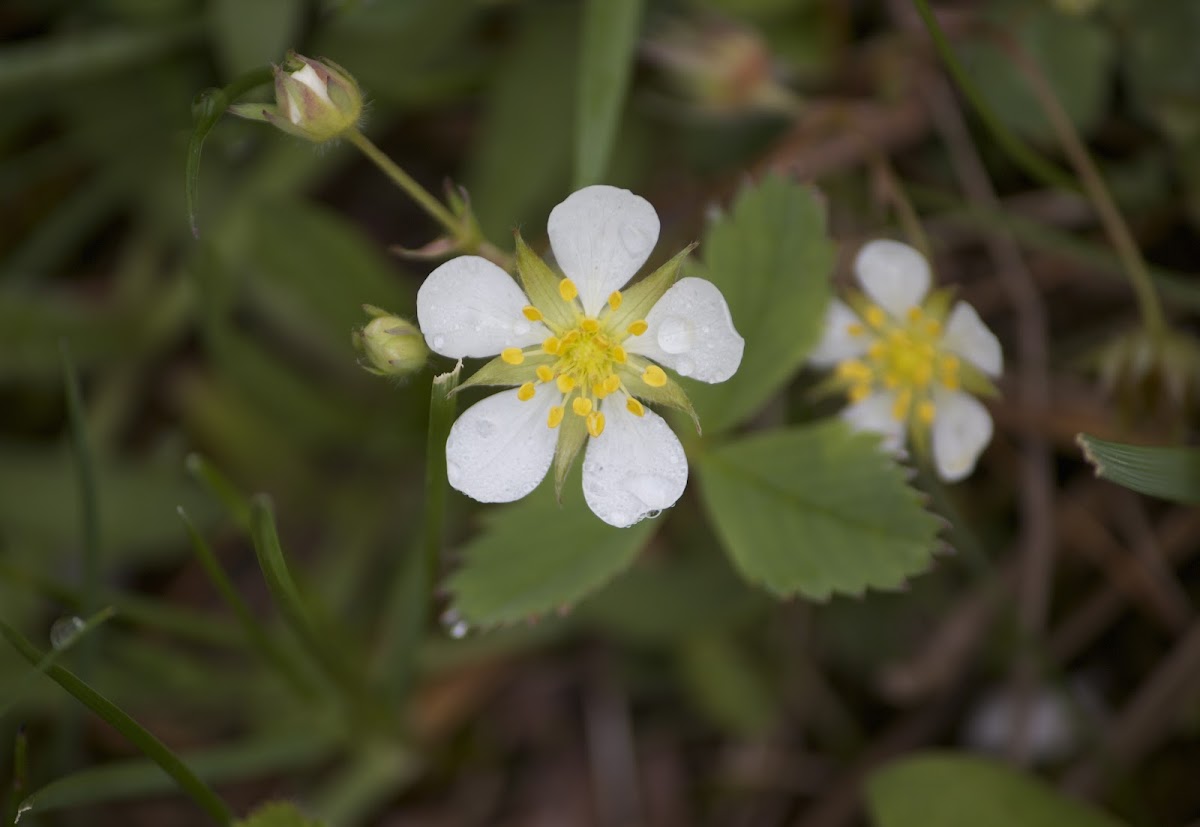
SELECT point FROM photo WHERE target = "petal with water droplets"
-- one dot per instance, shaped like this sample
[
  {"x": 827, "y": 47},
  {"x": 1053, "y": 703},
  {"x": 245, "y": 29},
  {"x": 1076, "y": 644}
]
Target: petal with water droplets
[
  {"x": 470, "y": 307},
  {"x": 691, "y": 331},
  {"x": 500, "y": 448}
]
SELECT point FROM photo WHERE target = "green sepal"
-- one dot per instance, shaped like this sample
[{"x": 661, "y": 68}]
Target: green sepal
[
  {"x": 937, "y": 303},
  {"x": 572, "y": 434},
  {"x": 541, "y": 286},
  {"x": 671, "y": 394},
  {"x": 500, "y": 372},
  {"x": 637, "y": 300},
  {"x": 976, "y": 382},
  {"x": 250, "y": 111}
]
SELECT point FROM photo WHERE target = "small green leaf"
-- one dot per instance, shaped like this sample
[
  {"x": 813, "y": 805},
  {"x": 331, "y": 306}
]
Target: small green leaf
[
  {"x": 772, "y": 258},
  {"x": 278, "y": 814},
  {"x": 1170, "y": 473},
  {"x": 536, "y": 556},
  {"x": 610, "y": 30},
  {"x": 944, "y": 789},
  {"x": 817, "y": 511},
  {"x": 541, "y": 286}
]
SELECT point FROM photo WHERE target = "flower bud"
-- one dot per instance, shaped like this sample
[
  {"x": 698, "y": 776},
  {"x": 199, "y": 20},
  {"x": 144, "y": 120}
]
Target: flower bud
[
  {"x": 1152, "y": 374},
  {"x": 392, "y": 346},
  {"x": 314, "y": 99}
]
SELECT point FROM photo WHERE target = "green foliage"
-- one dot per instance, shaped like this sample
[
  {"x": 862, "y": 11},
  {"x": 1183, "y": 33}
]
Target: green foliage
[
  {"x": 816, "y": 511},
  {"x": 728, "y": 684},
  {"x": 943, "y": 789},
  {"x": 251, "y": 35},
  {"x": 610, "y": 30},
  {"x": 537, "y": 556},
  {"x": 1169, "y": 473},
  {"x": 771, "y": 257},
  {"x": 279, "y": 814}
]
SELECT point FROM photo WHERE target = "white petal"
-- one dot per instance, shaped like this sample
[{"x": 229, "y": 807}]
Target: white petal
[
  {"x": 962, "y": 428},
  {"x": 690, "y": 330},
  {"x": 635, "y": 468},
  {"x": 874, "y": 414},
  {"x": 967, "y": 336},
  {"x": 894, "y": 275},
  {"x": 470, "y": 307},
  {"x": 601, "y": 237},
  {"x": 309, "y": 77},
  {"x": 500, "y": 448},
  {"x": 836, "y": 343}
]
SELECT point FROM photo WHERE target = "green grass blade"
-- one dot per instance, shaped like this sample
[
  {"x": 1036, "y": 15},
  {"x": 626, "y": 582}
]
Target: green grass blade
[
  {"x": 119, "y": 720},
  {"x": 88, "y": 500},
  {"x": 52, "y": 657},
  {"x": 20, "y": 779},
  {"x": 1169, "y": 473},
  {"x": 610, "y": 30},
  {"x": 222, "y": 490}
]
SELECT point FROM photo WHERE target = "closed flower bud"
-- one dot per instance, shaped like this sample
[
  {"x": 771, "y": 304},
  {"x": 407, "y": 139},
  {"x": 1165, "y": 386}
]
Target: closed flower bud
[
  {"x": 392, "y": 346},
  {"x": 1152, "y": 375},
  {"x": 314, "y": 99}
]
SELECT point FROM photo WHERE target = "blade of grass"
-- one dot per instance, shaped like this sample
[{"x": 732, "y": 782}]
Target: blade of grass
[
  {"x": 86, "y": 467},
  {"x": 59, "y": 649},
  {"x": 20, "y": 780},
  {"x": 119, "y": 720},
  {"x": 1170, "y": 473},
  {"x": 259, "y": 638},
  {"x": 222, "y": 490},
  {"x": 610, "y": 30}
]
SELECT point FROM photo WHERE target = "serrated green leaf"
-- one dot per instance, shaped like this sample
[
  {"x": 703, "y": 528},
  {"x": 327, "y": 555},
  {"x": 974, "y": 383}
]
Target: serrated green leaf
[
  {"x": 637, "y": 301},
  {"x": 1170, "y": 473},
  {"x": 536, "y": 556},
  {"x": 945, "y": 789},
  {"x": 541, "y": 286},
  {"x": 279, "y": 814},
  {"x": 610, "y": 30},
  {"x": 771, "y": 257},
  {"x": 816, "y": 511}
]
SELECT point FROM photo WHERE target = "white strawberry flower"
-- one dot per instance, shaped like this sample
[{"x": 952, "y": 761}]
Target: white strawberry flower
[
  {"x": 581, "y": 357},
  {"x": 907, "y": 365}
]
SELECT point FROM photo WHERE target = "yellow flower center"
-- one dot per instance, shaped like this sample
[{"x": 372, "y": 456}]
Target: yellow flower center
[
  {"x": 587, "y": 356},
  {"x": 905, "y": 358}
]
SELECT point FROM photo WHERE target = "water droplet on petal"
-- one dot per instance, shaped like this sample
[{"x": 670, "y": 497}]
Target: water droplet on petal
[
  {"x": 650, "y": 515},
  {"x": 685, "y": 366},
  {"x": 652, "y": 489},
  {"x": 635, "y": 240},
  {"x": 675, "y": 335},
  {"x": 64, "y": 631},
  {"x": 521, "y": 328},
  {"x": 454, "y": 624},
  {"x": 439, "y": 342},
  {"x": 485, "y": 428},
  {"x": 22, "y": 811}
]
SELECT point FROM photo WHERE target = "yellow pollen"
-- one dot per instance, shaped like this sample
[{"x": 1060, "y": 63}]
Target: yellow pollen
[
  {"x": 590, "y": 325},
  {"x": 634, "y": 407},
  {"x": 568, "y": 290},
  {"x": 853, "y": 370},
  {"x": 556, "y": 416},
  {"x": 565, "y": 383},
  {"x": 612, "y": 383},
  {"x": 914, "y": 315},
  {"x": 933, "y": 327},
  {"x": 891, "y": 380},
  {"x": 859, "y": 392},
  {"x": 526, "y": 392},
  {"x": 582, "y": 406},
  {"x": 654, "y": 376},
  {"x": 855, "y": 329},
  {"x": 875, "y": 317},
  {"x": 598, "y": 390},
  {"x": 926, "y": 411},
  {"x": 877, "y": 350},
  {"x": 595, "y": 423},
  {"x": 902, "y": 405},
  {"x": 544, "y": 373},
  {"x": 614, "y": 300},
  {"x": 512, "y": 355},
  {"x": 552, "y": 345},
  {"x": 601, "y": 340},
  {"x": 619, "y": 355},
  {"x": 637, "y": 328},
  {"x": 532, "y": 313},
  {"x": 570, "y": 338}
]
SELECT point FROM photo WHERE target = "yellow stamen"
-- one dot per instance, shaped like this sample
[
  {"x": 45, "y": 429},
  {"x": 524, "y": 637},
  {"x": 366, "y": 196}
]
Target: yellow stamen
[
  {"x": 612, "y": 383},
  {"x": 877, "y": 351},
  {"x": 859, "y": 392},
  {"x": 637, "y": 328},
  {"x": 565, "y": 383},
  {"x": 654, "y": 376},
  {"x": 552, "y": 345},
  {"x": 875, "y": 317},
  {"x": 532, "y": 313},
  {"x": 590, "y": 325},
  {"x": 926, "y": 411},
  {"x": 544, "y": 373},
  {"x": 855, "y": 329},
  {"x": 619, "y": 355},
  {"x": 582, "y": 406},
  {"x": 854, "y": 371},
  {"x": 570, "y": 338},
  {"x": 614, "y": 299},
  {"x": 598, "y": 390},
  {"x": 933, "y": 327},
  {"x": 526, "y": 392},
  {"x": 601, "y": 340},
  {"x": 634, "y": 407},
  {"x": 512, "y": 355},
  {"x": 595, "y": 423},
  {"x": 568, "y": 290},
  {"x": 902, "y": 404},
  {"x": 556, "y": 416},
  {"x": 914, "y": 315}
]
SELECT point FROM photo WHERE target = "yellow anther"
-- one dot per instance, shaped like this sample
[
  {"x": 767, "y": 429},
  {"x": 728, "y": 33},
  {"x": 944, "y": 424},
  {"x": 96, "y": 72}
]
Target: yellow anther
[
  {"x": 512, "y": 355},
  {"x": 951, "y": 382},
  {"x": 595, "y": 423},
  {"x": 552, "y": 345},
  {"x": 544, "y": 373},
  {"x": 598, "y": 390},
  {"x": 902, "y": 405},
  {"x": 914, "y": 314},
  {"x": 854, "y": 371},
  {"x": 568, "y": 290},
  {"x": 859, "y": 392},
  {"x": 526, "y": 392},
  {"x": 532, "y": 313},
  {"x": 877, "y": 351},
  {"x": 582, "y": 406},
  {"x": 949, "y": 363},
  {"x": 556, "y": 416},
  {"x": 634, "y": 407},
  {"x": 922, "y": 375},
  {"x": 619, "y": 355},
  {"x": 891, "y": 379},
  {"x": 612, "y": 383},
  {"x": 570, "y": 338},
  {"x": 637, "y": 328},
  {"x": 926, "y": 411},
  {"x": 590, "y": 325},
  {"x": 933, "y": 327},
  {"x": 654, "y": 376},
  {"x": 565, "y": 383},
  {"x": 601, "y": 340},
  {"x": 614, "y": 299},
  {"x": 855, "y": 329},
  {"x": 875, "y": 317}
]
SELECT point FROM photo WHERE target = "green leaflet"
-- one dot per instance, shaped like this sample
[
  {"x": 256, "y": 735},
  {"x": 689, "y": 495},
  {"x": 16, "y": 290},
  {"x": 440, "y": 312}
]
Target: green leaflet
[
  {"x": 541, "y": 286},
  {"x": 499, "y": 372},
  {"x": 637, "y": 300}
]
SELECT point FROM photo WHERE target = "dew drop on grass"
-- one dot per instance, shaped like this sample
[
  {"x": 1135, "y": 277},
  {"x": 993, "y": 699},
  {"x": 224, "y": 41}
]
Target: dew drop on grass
[
  {"x": 454, "y": 625},
  {"x": 64, "y": 631}
]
